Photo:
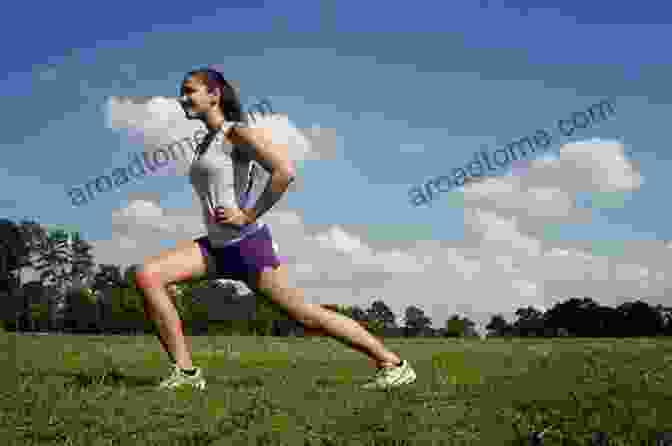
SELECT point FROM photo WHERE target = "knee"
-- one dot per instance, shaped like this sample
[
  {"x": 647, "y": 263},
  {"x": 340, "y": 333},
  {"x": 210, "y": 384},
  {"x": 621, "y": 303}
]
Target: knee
[{"x": 148, "y": 277}]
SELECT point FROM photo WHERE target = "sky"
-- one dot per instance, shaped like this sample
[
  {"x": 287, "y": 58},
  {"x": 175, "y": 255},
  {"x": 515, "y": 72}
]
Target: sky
[{"x": 390, "y": 98}]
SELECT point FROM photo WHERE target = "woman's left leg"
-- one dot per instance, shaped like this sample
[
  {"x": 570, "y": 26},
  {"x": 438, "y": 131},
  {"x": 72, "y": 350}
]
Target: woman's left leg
[{"x": 273, "y": 283}]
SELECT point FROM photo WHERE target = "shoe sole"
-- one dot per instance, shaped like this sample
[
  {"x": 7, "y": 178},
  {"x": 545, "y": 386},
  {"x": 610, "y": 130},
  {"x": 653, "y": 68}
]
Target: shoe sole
[{"x": 200, "y": 386}]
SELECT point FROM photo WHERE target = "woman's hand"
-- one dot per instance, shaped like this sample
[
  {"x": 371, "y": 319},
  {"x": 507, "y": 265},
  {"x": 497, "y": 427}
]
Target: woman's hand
[{"x": 234, "y": 217}]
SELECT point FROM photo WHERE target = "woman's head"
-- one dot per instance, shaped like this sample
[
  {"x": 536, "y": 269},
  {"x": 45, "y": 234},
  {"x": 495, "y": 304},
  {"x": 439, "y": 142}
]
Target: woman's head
[{"x": 205, "y": 92}]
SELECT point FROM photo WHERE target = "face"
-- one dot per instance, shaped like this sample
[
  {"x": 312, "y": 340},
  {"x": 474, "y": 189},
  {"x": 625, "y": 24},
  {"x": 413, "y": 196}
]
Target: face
[{"x": 195, "y": 100}]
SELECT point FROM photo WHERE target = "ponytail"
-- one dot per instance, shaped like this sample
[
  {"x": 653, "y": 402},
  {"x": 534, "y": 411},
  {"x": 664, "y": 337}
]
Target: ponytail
[{"x": 229, "y": 103}]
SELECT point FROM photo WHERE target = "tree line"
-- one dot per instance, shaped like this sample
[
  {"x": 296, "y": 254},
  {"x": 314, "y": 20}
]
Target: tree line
[{"x": 75, "y": 295}]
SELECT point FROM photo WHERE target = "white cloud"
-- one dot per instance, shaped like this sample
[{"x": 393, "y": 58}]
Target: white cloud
[
  {"x": 600, "y": 164},
  {"x": 142, "y": 209},
  {"x": 337, "y": 239}
]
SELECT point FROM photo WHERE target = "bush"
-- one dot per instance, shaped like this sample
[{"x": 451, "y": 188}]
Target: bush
[{"x": 9, "y": 325}]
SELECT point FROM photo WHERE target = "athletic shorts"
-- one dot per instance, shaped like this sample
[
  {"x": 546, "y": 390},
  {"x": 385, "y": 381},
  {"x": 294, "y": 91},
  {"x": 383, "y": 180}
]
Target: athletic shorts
[{"x": 239, "y": 260}]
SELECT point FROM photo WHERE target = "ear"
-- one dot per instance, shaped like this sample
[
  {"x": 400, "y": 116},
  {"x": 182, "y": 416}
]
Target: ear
[{"x": 217, "y": 92}]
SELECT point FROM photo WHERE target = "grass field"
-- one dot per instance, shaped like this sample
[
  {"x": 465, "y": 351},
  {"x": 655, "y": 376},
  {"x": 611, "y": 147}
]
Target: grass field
[{"x": 88, "y": 390}]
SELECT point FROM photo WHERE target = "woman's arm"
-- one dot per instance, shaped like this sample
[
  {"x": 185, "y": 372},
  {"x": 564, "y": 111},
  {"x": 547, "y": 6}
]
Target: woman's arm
[{"x": 273, "y": 157}]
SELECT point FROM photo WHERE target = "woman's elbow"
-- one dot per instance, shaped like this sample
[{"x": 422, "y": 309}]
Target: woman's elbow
[{"x": 286, "y": 172}]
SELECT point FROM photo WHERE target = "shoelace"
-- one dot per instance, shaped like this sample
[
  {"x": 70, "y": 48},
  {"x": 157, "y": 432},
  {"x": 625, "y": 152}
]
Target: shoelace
[
  {"x": 175, "y": 373},
  {"x": 381, "y": 373}
]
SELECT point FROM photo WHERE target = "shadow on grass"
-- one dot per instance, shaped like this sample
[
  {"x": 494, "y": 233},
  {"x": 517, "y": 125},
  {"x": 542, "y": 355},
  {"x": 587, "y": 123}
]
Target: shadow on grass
[
  {"x": 245, "y": 382},
  {"x": 113, "y": 377}
]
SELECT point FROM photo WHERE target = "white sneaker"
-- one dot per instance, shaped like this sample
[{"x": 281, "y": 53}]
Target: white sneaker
[
  {"x": 178, "y": 379},
  {"x": 389, "y": 377}
]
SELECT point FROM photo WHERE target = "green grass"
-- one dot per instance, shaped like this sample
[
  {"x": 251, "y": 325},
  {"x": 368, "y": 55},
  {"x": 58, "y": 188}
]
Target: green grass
[{"x": 76, "y": 390}]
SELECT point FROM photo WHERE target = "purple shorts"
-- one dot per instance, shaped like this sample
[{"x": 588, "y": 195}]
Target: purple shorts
[{"x": 238, "y": 261}]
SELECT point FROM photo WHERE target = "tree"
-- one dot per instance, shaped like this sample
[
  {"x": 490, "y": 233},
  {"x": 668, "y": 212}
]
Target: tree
[
  {"x": 352, "y": 311},
  {"x": 35, "y": 237},
  {"x": 641, "y": 319},
  {"x": 497, "y": 326},
  {"x": 530, "y": 321},
  {"x": 33, "y": 293},
  {"x": 357, "y": 313},
  {"x": 460, "y": 327},
  {"x": 607, "y": 322},
  {"x": 666, "y": 315},
  {"x": 39, "y": 315},
  {"x": 125, "y": 310},
  {"x": 415, "y": 320},
  {"x": 54, "y": 263},
  {"x": 129, "y": 275},
  {"x": 455, "y": 327},
  {"x": 14, "y": 254},
  {"x": 120, "y": 302},
  {"x": 575, "y": 315},
  {"x": 82, "y": 261},
  {"x": 108, "y": 276},
  {"x": 470, "y": 328},
  {"x": 381, "y": 313},
  {"x": 81, "y": 311},
  {"x": 192, "y": 309},
  {"x": 14, "y": 248}
]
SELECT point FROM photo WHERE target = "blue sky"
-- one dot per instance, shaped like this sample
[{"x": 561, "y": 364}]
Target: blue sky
[{"x": 411, "y": 91}]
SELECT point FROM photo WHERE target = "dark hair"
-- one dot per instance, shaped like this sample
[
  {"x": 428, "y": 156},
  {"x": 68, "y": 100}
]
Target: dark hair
[{"x": 228, "y": 101}]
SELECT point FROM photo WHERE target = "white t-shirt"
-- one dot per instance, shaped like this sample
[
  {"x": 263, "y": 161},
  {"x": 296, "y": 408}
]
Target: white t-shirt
[
  {"x": 228, "y": 176},
  {"x": 233, "y": 177}
]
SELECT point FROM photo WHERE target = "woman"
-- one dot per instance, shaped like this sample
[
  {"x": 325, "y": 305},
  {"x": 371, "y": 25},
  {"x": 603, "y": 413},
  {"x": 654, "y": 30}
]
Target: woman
[{"x": 238, "y": 245}]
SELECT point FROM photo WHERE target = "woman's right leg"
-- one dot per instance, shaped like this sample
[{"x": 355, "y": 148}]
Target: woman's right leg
[{"x": 172, "y": 265}]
